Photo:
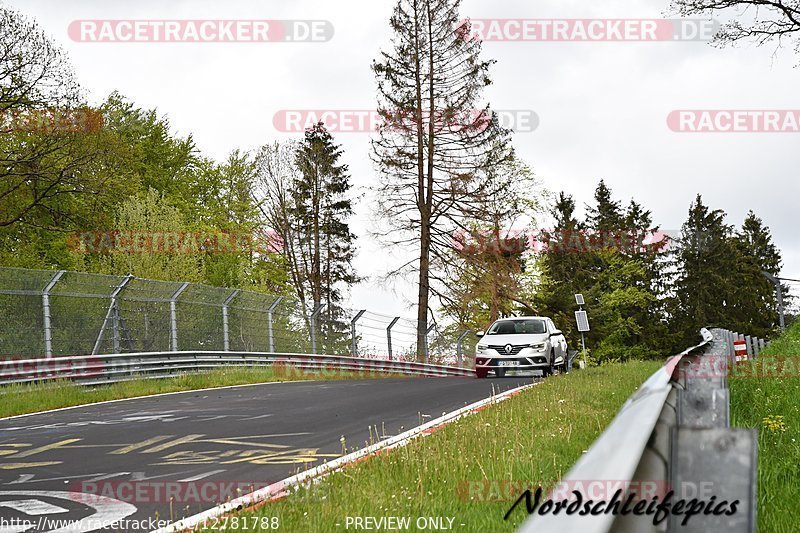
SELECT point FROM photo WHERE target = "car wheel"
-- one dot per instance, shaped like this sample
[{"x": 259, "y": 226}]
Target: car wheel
[
  {"x": 552, "y": 368},
  {"x": 481, "y": 373}
]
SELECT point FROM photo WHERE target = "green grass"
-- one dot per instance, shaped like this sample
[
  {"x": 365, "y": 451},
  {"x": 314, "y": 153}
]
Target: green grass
[
  {"x": 756, "y": 402},
  {"x": 531, "y": 439},
  {"x": 24, "y": 399}
]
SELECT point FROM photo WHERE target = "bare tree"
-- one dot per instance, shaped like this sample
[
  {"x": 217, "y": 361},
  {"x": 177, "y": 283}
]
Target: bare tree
[
  {"x": 277, "y": 173},
  {"x": 761, "y": 21}
]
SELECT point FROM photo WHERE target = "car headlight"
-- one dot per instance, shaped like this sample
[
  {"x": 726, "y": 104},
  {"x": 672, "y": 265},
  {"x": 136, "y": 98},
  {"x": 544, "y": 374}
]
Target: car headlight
[
  {"x": 537, "y": 346},
  {"x": 481, "y": 347}
]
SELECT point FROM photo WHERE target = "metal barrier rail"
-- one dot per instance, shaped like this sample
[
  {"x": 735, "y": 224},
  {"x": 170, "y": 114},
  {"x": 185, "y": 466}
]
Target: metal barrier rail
[
  {"x": 98, "y": 369},
  {"x": 672, "y": 434}
]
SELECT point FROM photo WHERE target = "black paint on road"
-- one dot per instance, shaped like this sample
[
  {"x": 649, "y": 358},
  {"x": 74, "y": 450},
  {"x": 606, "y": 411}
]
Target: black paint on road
[{"x": 200, "y": 446}]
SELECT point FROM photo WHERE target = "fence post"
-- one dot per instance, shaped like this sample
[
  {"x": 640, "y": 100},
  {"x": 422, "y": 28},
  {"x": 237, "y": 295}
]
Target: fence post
[
  {"x": 112, "y": 314},
  {"x": 48, "y": 332},
  {"x": 313, "y": 324},
  {"x": 389, "y": 335},
  {"x": 353, "y": 347},
  {"x": 269, "y": 321},
  {"x": 427, "y": 354},
  {"x": 459, "y": 347},
  {"x": 173, "y": 317},
  {"x": 779, "y": 300},
  {"x": 226, "y": 342}
]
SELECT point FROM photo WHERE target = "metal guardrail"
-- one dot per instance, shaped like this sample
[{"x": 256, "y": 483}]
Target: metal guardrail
[
  {"x": 99, "y": 369},
  {"x": 672, "y": 434}
]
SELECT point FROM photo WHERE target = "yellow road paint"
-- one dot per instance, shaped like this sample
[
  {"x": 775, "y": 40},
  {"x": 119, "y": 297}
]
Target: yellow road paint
[
  {"x": 173, "y": 443},
  {"x": 46, "y": 448},
  {"x": 139, "y": 445},
  {"x": 15, "y": 466},
  {"x": 12, "y": 451}
]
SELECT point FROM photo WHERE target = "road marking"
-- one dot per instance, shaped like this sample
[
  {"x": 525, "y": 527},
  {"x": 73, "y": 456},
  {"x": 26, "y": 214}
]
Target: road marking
[
  {"x": 173, "y": 443},
  {"x": 12, "y": 445},
  {"x": 107, "y": 510},
  {"x": 22, "y": 479},
  {"x": 201, "y": 476},
  {"x": 101, "y": 477},
  {"x": 33, "y": 507},
  {"x": 16, "y": 466},
  {"x": 138, "y": 445},
  {"x": 46, "y": 447}
]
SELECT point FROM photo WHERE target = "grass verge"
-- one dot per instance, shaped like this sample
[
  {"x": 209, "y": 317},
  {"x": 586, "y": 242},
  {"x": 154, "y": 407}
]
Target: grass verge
[
  {"x": 24, "y": 399},
  {"x": 770, "y": 404},
  {"x": 472, "y": 470}
]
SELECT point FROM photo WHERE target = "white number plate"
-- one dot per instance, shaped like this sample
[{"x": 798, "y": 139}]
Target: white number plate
[{"x": 508, "y": 363}]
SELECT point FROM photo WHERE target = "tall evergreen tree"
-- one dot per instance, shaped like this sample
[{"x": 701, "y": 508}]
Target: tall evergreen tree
[
  {"x": 755, "y": 302},
  {"x": 563, "y": 267},
  {"x": 433, "y": 166},
  {"x": 320, "y": 209},
  {"x": 704, "y": 258}
]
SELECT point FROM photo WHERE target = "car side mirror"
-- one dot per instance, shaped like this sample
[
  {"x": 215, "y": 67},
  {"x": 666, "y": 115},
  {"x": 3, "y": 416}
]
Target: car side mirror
[
  {"x": 556, "y": 333},
  {"x": 480, "y": 333}
]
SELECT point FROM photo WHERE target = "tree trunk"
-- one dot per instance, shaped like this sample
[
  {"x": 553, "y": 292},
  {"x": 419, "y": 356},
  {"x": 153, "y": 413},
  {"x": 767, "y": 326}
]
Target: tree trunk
[{"x": 424, "y": 286}]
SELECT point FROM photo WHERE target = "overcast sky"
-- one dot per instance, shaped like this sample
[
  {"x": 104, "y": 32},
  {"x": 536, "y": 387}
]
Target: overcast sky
[{"x": 602, "y": 106}]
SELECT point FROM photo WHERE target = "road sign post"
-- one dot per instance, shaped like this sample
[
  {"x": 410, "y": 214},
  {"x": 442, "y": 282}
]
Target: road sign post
[{"x": 582, "y": 320}]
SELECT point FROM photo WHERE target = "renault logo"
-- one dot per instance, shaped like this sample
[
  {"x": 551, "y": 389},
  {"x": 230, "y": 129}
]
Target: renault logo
[{"x": 509, "y": 348}]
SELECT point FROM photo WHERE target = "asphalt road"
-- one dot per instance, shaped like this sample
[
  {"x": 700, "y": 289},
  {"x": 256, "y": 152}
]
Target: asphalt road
[{"x": 128, "y": 459}]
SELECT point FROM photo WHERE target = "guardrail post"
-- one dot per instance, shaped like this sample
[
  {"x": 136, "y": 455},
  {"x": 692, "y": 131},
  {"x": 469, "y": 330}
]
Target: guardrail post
[
  {"x": 112, "y": 314},
  {"x": 389, "y": 335},
  {"x": 706, "y": 450},
  {"x": 459, "y": 347},
  {"x": 748, "y": 340},
  {"x": 269, "y": 322},
  {"x": 173, "y": 317},
  {"x": 313, "y": 324},
  {"x": 427, "y": 354},
  {"x": 226, "y": 342},
  {"x": 48, "y": 332},
  {"x": 353, "y": 347}
]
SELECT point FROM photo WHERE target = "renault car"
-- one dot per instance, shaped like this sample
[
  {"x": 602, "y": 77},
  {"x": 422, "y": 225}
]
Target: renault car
[{"x": 527, "y": 343}]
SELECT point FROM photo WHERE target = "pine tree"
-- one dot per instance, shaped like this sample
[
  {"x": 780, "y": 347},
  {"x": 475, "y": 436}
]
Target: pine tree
[
  {"x": 705, "y": 259},
  {"x": 433, "y": 149},
  {"x": 563, "y": 267},
  {"x": 755, "y": 304},
  {"x": 325, "y": 246}
]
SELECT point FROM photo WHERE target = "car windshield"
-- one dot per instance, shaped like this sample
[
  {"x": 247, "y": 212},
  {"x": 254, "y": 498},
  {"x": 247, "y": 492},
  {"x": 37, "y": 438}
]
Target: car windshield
[{"x": 517, "y": 327}]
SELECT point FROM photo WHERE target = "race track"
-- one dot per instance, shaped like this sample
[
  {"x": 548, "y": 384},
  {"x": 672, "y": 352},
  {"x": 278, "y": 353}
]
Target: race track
[{"x": 131, "y": 457}]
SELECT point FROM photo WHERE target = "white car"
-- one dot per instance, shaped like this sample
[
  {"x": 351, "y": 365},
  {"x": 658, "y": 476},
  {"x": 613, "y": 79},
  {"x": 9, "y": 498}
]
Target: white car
[{"x": 525, "y": 343}]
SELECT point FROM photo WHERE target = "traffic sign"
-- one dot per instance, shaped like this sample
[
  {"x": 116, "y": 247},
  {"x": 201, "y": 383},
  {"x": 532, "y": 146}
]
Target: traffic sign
[
  {"x": 579, "y": 299},
  {"x": 583, "y": 321}
]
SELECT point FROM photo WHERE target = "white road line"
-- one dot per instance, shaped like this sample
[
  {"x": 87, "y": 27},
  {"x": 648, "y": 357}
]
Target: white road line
[
  {"x": 200, "y": 476},
  {"x": 155, "y": 396},
  {"x": 107, "y": 510},
  {"x": 33, "y": 507},
  {"x": 282, "y": 488}
]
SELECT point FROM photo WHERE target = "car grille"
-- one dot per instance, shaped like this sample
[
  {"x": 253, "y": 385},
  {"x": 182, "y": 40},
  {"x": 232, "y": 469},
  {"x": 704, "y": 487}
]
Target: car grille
[{"x": 502, "y": 349}]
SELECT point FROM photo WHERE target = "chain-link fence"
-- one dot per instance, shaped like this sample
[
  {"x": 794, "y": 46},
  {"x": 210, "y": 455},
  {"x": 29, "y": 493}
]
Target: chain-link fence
[{"x": 62, "y": 313}]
